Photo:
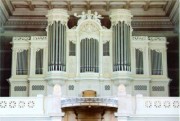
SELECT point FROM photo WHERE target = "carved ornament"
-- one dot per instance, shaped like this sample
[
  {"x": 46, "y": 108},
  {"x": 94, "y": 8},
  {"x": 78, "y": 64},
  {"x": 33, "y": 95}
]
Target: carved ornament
[
  {"x": 90, "y": 16},
  {"x": 89, "y": 30},
  {"x": 39, "y": 38}
]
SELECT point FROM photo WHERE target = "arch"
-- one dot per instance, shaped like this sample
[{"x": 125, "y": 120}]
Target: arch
[{"x": 89, "y": 29}]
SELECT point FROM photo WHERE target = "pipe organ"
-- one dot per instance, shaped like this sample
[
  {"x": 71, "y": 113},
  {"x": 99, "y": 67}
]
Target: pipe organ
[{"x": 89, "y": 56}]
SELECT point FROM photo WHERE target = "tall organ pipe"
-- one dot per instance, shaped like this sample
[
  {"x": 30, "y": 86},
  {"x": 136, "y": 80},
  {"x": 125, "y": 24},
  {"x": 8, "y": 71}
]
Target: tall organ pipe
[
  {"x": 121, "y": 47},
  {"x": 89, "y": 55},
  {"x": 57, "y": 47}
]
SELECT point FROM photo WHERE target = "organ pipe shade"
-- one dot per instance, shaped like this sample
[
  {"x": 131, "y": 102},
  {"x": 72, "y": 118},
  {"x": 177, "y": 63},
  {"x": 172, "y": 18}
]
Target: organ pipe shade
[
  {"x": 39, "y": 62},
  {"x": 156, "y": 63},
  {"x": 121, "y": 47},
  {"x": 57, "y": 47},
  {"x": 89, "y": 61},
  {"x": 22, "y": 63},
  {"x": 139, "y": 61}
]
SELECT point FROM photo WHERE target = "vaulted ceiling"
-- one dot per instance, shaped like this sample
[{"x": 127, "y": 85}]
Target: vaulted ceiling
[{"x": 147, "y": 14}]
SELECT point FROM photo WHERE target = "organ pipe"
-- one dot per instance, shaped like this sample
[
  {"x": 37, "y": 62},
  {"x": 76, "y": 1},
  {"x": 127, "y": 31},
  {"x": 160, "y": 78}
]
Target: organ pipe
[
  {"x": 22, "y": 63},
  {"x": 139, "y": 61},
  {"x": 156, "y": 63},
  {"x": 121, "y": 47},
  {"x": 57, "y": 47},
  {"x": 39, "y": 61},
  {"x": 89, "y": 61}
]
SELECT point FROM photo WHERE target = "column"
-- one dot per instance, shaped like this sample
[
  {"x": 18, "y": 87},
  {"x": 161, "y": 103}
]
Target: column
[
  {"x": 32, "y": 62},
  {"x": 121, "y": 27},
  {"x": 125, "y": 106},
  {"x": 100, "y": 56}
]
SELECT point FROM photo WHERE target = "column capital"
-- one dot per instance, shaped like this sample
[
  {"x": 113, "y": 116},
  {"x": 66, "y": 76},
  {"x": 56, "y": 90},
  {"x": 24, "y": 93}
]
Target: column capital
[
  {"x": 57, "y": 15},
  {"x": 117, "y": 15}
]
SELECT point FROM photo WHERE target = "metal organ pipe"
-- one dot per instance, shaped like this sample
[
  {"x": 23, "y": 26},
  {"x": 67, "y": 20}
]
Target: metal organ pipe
[
  {"x": 121, "y": 19},
  {"x": 121, "y": 45},
  {"x": 57, "y": 47},
  {"x": 89, "y": 55},
  {"x": 57, "y": 20},
  {"x": 59, "y": 38}
]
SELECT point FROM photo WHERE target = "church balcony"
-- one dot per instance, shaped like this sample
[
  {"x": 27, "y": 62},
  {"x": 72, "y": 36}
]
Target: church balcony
[
  {"x": 42, "y": 106},
  {"x": 89, "y": 101}
]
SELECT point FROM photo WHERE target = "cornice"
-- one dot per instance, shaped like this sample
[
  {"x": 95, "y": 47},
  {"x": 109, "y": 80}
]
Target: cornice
[
  {"x": 43, "y": 24},
  {"x": 152, "y": 24}
]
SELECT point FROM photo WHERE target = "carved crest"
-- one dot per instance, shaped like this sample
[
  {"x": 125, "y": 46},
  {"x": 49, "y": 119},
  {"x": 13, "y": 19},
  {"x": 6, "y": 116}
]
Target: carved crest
[
  {"x": 84, "y": 16},
  {"x": 89, "y": 30}
]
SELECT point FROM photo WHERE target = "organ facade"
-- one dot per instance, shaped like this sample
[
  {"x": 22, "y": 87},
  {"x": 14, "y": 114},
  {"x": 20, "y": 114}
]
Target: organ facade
[{"x": 89, "y": 59}]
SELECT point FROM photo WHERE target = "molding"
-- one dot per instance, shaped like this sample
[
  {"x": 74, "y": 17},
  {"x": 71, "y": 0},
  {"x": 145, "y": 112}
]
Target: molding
[
  {"x": 175, "y": 12},
  {"x": 21, "y": 38},
  {"x": 57, "y": 15},
  {"x": 37, "y": 38},
  {"x": 4, "y": 14},
  {"x": 117, "y": 15},
  {"x": 14, "y": 24},
  {"x": 139, "y": 38},
  {"x": 152, "y": 24},
  {"x": 155, "y": 33},
  {"x": 162, "y": 39},
  {"x": 89, "y": 29}
]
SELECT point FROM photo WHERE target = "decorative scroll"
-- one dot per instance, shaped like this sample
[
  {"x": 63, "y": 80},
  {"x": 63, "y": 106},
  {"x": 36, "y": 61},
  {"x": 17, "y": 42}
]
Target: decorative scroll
[
  {"x": 57, "y": 15},
  {"x": 89, "y": 30},
  {"x": 121, "y": 15}
]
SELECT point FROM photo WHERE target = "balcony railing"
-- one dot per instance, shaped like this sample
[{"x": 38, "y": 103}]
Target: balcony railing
[{"x": 89, "y": 101}]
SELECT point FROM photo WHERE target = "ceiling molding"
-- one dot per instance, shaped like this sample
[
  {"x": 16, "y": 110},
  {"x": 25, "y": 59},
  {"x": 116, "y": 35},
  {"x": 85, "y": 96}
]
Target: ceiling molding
[
  {"x": 3, "y": 12},
  {"x": 174, "y": 15},
  {"x": 150, "y": 14}
]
